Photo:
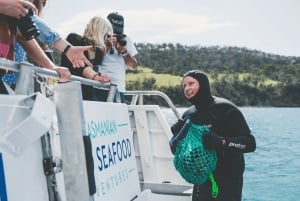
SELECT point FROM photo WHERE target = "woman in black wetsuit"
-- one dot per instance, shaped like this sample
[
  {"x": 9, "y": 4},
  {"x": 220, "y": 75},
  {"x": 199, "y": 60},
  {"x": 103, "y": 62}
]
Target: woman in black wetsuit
[{"x": 229, "y": 136}]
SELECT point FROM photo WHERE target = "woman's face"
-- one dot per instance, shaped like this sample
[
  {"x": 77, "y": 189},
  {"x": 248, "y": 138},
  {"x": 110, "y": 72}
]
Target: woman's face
[{"x": 190, "y": 87}]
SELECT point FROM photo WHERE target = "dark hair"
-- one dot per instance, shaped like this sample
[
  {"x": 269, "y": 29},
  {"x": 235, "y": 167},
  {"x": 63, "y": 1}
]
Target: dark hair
[
  {"x": 117, "y": 22},
  {"x": 39, "y": 6}
]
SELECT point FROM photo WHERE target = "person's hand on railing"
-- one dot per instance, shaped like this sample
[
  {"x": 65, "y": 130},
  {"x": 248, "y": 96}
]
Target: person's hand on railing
[
  {"x": 63, "y": 73},
  {"x": 103, "y": 78}
]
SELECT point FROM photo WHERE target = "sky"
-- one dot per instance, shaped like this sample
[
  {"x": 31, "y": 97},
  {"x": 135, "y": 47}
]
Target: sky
[{"x": 270, "y": 26}]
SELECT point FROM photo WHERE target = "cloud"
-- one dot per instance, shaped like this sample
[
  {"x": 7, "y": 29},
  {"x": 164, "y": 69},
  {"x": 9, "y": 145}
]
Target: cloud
[
  {"x": 162, "y": 25},
  {"x": 151, "y": 25}
]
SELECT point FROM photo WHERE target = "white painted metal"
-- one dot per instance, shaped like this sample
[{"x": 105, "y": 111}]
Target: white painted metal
[
  {"x": 24, "y": 174},
  {"x": 32, "y": 111},
  {"x": 151, "y": 140},
  {"x": 71, "y": 126},
  {"x": 154, "y": 178}
]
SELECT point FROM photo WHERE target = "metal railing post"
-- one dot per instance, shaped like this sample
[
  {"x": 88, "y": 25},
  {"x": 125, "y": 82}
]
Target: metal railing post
[
  {"x": 70, "y": 116},
  {"x": 113, "y": 94},
  {"x": 25, "y": 82}
]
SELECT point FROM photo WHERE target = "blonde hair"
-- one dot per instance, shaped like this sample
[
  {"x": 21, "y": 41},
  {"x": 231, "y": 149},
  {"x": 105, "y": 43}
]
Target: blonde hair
[{"x": 96, "y": 30}]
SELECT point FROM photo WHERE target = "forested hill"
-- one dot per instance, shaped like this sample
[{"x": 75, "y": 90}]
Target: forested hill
[{"x": 247, "y": 77}]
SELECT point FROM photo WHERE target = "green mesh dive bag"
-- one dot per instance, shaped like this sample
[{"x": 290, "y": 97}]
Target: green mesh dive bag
[{"x": 195, "y": 163}]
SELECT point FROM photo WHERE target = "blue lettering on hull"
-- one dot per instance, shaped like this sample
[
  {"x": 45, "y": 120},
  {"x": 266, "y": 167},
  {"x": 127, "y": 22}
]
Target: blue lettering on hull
[
  {"x": 101, "y": 128},
  {"x": 109, "y": 154}
]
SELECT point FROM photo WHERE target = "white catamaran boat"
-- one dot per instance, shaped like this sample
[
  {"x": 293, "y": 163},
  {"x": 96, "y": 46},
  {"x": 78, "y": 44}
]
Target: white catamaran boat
[{"x": 42, "y": 155}]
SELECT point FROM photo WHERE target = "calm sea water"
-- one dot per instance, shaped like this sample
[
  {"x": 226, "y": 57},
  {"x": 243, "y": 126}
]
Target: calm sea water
[{"x": 273, "y": 170}]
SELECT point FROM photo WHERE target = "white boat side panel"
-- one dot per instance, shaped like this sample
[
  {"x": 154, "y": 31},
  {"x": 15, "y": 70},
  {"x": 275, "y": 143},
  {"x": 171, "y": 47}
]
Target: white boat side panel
[
  {"x": 113, "y": 152},
  {"x": 147, "y": 195},
  {"x": 24, "y": 174},
  {"x": 31, "y": 111},
  {"x": 153, "y": 155}
]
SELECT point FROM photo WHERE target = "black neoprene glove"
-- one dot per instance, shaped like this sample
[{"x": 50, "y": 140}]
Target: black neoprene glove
[
  {"x": 181, "y": 127},
  {"x": 212, "y": 141},
  {"x": 173, "y": 144},
  {"x": 175, "y": 128}
]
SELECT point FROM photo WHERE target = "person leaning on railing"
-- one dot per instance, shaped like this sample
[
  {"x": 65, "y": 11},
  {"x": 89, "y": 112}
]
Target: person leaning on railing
[
  {"x": 8, "y": 33},
  {"x": 95, "y": 31},
  {"x": 48, "y": 38}
]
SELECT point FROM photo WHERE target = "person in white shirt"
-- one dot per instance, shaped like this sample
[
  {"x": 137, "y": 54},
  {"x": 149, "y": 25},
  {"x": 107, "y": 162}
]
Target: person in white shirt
[{"x": 120, "y": 54}]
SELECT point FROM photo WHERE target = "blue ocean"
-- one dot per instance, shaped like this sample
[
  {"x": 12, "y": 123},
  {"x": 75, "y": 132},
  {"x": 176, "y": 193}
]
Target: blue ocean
[{"x": 273, "y": 170}]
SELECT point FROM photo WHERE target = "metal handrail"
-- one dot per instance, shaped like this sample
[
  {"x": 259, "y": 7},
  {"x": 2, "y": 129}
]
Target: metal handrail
[
  {"x": 137, "y": 97},
  {"x": 16, "y": 66}
]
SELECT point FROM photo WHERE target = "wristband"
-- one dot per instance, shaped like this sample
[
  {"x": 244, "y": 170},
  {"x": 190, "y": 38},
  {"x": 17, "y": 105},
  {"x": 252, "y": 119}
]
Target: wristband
[
  {"x": 66, "y": 49},
  {"x": 124, "y": 54},
  {"x": 96, "y": 75}
]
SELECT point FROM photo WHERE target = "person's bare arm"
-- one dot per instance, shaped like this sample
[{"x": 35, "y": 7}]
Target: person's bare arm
[
  {"x": 74, "y": 53},
  {"x": 89, "y": 73},
  {"x": 130, "y": 61},
  {"x": 35, "y": 52},
  {"x": 15, "y": 8}
]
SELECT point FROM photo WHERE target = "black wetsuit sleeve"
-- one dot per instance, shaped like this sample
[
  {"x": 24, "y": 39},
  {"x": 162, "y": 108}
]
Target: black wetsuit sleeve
[{"x": 241, "y": 139}]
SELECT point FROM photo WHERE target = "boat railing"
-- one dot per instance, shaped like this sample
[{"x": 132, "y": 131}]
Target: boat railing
[
  {"x": 27, "y": 71},
  {"x": 67, "y": 99},
  {"x": 137, "y": 98}
]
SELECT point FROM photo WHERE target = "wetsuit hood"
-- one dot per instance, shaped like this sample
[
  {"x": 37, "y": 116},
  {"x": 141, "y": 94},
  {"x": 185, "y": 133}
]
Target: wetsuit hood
[{"x": 203, "y": 98}]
